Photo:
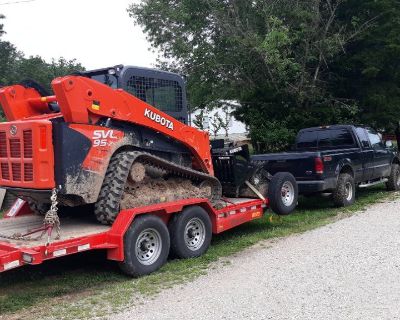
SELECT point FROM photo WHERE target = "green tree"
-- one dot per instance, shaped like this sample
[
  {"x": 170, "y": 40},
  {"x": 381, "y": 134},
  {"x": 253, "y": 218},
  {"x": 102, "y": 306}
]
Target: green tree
[
  {"x": 274, "y": 57},
  {"x": 369, "y": 72}
]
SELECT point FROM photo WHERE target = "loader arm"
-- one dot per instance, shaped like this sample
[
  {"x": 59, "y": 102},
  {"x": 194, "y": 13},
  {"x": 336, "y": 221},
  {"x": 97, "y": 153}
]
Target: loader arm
[{"x": 83, "y": 100}]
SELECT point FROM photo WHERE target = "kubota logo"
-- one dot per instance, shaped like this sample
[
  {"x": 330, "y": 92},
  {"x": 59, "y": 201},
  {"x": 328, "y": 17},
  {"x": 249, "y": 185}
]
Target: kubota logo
[
  {"x": 13, "y": 130},
  {"x": 159, "y": 119}
]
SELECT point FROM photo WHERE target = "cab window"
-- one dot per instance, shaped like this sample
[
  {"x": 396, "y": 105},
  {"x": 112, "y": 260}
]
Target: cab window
[
  {"x": 375, "y": 139},
  {"x": 165, "y": 95}
]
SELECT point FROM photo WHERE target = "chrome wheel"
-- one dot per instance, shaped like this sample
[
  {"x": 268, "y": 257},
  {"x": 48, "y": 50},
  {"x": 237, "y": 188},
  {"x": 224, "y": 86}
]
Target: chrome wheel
[
  {"x": 148, "y": 246},
  {"x": 349, "y": 191},
  {"x": 195, "y": 234},
  {"x": 287, "y": 193}
]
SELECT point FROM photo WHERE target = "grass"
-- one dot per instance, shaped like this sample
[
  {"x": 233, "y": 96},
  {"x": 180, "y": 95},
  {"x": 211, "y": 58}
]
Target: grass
[{"x": 88, "y": 285}]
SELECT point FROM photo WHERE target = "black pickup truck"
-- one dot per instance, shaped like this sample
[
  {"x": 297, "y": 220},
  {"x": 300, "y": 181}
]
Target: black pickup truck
[{"x": 337, "y": 159}]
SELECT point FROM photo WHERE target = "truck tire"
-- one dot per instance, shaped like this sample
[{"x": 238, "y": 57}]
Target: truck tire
[
  {"x": 107, "y": 206},
  {"x": 283, "y": 193},
  {"x": 190, "y": 232},
  {"x": 394, "y": 179},
  {"x": 146, "y": 246},
  {"x": 345, "y": 192}
]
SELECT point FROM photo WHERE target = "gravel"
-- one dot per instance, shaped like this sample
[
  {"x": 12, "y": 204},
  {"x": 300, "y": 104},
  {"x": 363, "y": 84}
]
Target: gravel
[{"x": 347, "y": 270}]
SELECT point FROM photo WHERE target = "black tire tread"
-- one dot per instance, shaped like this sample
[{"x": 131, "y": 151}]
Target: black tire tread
[
  {"x": 392, "y": 184},
  {"x": 130, "y": 266},
  {"x": 339, "y": 195},
  {"x": 177, "y": 226},
  {"x": 274, "y": 193}
]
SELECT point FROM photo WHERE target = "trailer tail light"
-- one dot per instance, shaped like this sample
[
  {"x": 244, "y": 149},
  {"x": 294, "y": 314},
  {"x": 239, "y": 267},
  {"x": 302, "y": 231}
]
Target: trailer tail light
[{"x": 319, "y": 166}]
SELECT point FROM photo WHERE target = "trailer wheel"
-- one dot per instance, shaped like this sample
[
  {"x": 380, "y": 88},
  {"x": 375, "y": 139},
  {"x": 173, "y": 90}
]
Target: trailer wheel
[
  {"x": 283, "y": 193},
  {"x": 191, "y": 232},
  {"x": 394, "y": 179},
  {"x": 345, "y": 192},
  {"x": 107, "y": 206},
  {"x": 146, "y": 246}
]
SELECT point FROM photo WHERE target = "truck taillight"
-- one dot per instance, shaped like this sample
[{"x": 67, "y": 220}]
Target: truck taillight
[{"x": 319, "y": 166}]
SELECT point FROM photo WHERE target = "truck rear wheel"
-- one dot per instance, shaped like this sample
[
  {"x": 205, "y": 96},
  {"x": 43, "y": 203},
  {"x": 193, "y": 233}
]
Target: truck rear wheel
[
  {"x": 345, "y": 192},
  {"x": 107, "y": 206},
  {"x": 146, "y": 246},
  {"x": 394, "y": 179},
  {"x": 283, "y": 193},
  {"x": 191, "y": 232}
]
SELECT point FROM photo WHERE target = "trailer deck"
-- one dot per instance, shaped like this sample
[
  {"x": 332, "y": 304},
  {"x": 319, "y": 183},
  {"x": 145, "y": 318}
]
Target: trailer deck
[
  {"x": 84, "y": 233},
  {"x": 72, "y": 228}
]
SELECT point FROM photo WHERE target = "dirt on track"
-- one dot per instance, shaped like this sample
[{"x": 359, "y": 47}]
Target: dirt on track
[{"x": 158, "y": 190}]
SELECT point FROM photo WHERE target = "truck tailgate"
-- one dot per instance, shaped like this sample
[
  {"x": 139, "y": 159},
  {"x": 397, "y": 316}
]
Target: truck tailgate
[{"x": 300, "y": 164}]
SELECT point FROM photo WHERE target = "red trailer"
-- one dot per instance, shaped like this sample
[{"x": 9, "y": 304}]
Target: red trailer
[{"x": 140, "y": 239}]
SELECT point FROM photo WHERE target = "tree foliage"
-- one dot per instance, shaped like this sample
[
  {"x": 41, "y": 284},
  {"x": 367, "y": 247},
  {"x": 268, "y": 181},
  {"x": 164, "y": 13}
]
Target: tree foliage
[
  {"x": 15, "y": 66},
  {"x": 290, "y": 64}
]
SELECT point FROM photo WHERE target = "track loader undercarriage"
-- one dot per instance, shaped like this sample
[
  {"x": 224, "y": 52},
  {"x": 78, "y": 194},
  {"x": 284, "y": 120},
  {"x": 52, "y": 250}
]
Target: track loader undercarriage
[{"x": 136, "y": 178}]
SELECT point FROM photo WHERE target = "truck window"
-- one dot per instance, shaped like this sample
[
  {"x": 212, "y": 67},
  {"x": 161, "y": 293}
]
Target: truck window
[
  {"x": 375, "y": 139},
  {"x": 307, "y": 140},
  {"x": 324, "y": 139},
  {"x": 362, "y": 135},
  {"x": 341, "y": 138}
]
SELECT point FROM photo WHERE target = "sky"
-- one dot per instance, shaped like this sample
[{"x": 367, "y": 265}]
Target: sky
[{"x": 96, "y": 33}]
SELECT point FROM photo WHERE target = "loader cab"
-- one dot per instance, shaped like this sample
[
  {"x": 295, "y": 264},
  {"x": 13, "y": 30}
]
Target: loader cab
[{"x": 161, "y": 89}]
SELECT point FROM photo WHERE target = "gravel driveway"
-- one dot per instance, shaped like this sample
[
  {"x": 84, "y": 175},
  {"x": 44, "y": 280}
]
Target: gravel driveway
[{"x": 347, "y": 270}]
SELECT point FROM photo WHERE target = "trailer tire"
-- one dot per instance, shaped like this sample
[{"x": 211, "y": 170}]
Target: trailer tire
[
  {"x": 394, "y": 179},
  {"x": 283, "y": 193},
  {"x": 191, "y": 232},
  {"x": 345, "y": 193},
  {"x": 107, "y": 206},
  {"x": 146, "y": 246}
]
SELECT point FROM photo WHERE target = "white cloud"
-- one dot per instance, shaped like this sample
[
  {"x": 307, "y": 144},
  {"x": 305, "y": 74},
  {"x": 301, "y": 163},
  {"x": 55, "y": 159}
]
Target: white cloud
[{"x": 97, "y": 33}]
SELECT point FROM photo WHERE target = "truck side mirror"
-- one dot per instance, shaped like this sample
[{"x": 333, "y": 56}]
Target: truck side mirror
[{"x": 388, "y": 144}]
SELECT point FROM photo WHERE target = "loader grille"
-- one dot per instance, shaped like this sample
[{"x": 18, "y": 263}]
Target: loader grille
[
  {"x": 3, "y": 145},
  {"x": 14, "y": 156},
  {"x": 27, "y": 154}
]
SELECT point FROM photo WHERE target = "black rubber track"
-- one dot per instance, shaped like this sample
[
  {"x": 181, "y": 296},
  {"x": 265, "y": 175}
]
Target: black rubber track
[{"x": 107, "y": 206}]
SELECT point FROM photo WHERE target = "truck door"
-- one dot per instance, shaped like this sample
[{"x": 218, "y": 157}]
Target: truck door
[
  {"x": 382, "y": 156},
  {"x": 367, "y": 154}
]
